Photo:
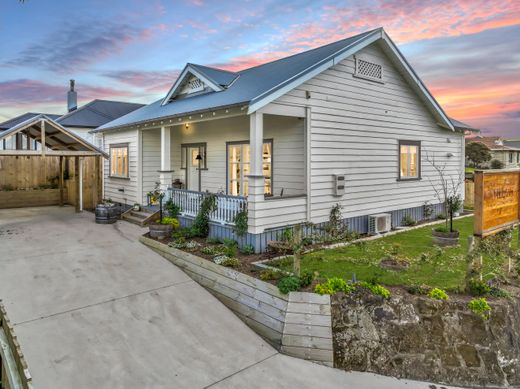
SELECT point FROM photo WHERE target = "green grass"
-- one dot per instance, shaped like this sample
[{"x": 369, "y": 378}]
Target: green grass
[{"x": 429, "y": 265}]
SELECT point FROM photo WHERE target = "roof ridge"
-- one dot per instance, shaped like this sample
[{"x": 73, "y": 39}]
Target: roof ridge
[
  {"x": 310, "y": 50},
  {"x": 212, "y": 68}
]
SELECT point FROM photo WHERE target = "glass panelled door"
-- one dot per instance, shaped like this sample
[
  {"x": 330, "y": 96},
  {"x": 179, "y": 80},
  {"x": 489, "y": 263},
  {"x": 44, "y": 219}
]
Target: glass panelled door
[{"x": 239, "y": 168}]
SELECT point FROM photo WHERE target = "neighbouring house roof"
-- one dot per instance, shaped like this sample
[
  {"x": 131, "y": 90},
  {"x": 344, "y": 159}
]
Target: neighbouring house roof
[
  {"x": 512, "y": 143},
  {"x": 57, "y": 137},
  {"x": 256, "y": 87},
  {"x": 97, "y": 113},
  {"x": 493, "y": 143},
  {"x": 22, "y": 118},
  {"x": 463, "y": 126}
]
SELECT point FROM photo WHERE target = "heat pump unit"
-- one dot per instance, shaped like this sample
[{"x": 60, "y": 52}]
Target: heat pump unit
[
  {"x": 339, "y": 184},
  {"x": 379, "y": 223}
]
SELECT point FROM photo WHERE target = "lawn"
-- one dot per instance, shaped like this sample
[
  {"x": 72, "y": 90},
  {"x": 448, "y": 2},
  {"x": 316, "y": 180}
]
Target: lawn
[{"x": 429, "y": 264}]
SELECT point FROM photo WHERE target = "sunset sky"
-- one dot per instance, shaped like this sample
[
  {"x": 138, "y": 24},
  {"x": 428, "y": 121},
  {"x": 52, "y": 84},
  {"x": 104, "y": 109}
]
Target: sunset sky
[{"x": 467, "y": 52}]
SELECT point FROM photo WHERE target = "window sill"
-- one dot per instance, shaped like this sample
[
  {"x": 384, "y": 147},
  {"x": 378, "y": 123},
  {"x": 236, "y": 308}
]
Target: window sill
[
  {"x": 120, "y": 177},
  {"x": 409, "y": 179},
  {"x": 284, "y": 197}
]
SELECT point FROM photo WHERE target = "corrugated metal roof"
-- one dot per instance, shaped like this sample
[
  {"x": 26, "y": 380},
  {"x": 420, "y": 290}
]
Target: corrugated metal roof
[
  {"x": 97, "y": 113},
  {"x": 463, "y": 126},
  {"x": 219, "y": 76},
  {"x": 22, "y": 118},
  {"x": 252, "y": 83}
]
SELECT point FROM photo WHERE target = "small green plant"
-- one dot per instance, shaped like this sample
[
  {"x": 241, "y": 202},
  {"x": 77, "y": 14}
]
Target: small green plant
[
  {"x": 441, "y": 216},
  {"x": 306, "y": 278},
  {"x": 241, "y": 223},
  {"x": 418, "y": 289},
  {"x": 270, "y": 274},
  {"x": 376, "y": 289},
  {"x": 200, "y": 226},
  {"x": 213, "y": 250},
  {"x": 442, "y": 228},
  {"x": 185, "y": 233},
  {"x": 173, "y": 209},
  {"x": 334, "y": 285},
  {"x": 170, "y": 221},
  {"x": 478, "y": 288},
  {"x": 247, "y": 249},
  {"x": 289, "y": 284},
  {"x": 224, "y": 260},
  {"x": 334, "y": 226},
  {"x": 395, "y": 250},
  {"x": 408, "y": 221},
  {"x": 498, "y": 292},
  {"x": 230, "y": 247},
  {"x": 438, "y": 294},
  {"x": 286, "y": 235},
  {"x": 480, "y": 307}
]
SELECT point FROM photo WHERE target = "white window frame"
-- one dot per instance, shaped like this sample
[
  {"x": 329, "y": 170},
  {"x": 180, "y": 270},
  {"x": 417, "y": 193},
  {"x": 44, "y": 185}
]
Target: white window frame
[
  {"x": 409, "y": 143},
  {"x": 125, "y": 169}
]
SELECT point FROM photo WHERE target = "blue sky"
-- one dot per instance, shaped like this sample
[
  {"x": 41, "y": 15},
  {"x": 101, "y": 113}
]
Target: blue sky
[{"x": 467, "y": 52}]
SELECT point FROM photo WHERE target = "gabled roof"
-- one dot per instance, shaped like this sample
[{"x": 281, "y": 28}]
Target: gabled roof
[
  {"x": 57, "y": 137},
  {"x": 97, "y": 113},
  {"x": 22, "y": 118},
  {"x": 258, "y": 86},
  {"x": 494, "y": 143}
]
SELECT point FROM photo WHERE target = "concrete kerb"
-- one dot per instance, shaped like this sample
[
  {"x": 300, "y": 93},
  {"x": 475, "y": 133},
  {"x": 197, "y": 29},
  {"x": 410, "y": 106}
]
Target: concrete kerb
[{"x": 298, "y": 324}]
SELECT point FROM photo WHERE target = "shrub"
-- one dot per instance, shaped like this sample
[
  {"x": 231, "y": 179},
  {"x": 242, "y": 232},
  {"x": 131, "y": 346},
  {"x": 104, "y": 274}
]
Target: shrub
[
  {"x": 213, "y": 250},
  {"x": 200, "y": 225},
  {"x": 418, "y": 289},
  {"x": 497, "y": 164},
  {"x": 438, "y": 294},
  {"x": 213, "y": 240},
  {"x": 248, "y": 249},
  {"x": 376, "y": 289},
  {"x": 497, "y": 292},
  {"x": 173, "y": 209},
  {"x": 478, "y": 288},
  {"x": 185, "y": 233},
  {"x": 191, "y": 245},
  {"x": 441, "y": 216},
  {"x": 289, "y": 284},
  {"x": 442, "y": 228},
  {"x": 480, "y": 307},
  {"x": 241, "y": 223},
  {"x": 170, "y": 221},
  {"x": 306, "y": 278},
  {"x": 333, "y": 285},
  {"x": 270, "y": 274},
  {"x": 230, "y": 247},
  {"x": 408, "y": 221}
]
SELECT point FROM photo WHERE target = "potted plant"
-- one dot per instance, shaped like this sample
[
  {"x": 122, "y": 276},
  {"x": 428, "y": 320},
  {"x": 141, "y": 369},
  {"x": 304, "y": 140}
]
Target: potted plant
[
  {"x": 164, "y": 226},
  {"x": 447, "y": 191},
  {"x": 136, "y": 207}
]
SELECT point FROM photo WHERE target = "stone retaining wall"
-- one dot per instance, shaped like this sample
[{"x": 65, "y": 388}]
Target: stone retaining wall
[
  {"x": 419, "y": 338},
  {"x": 298, "y": 324}
]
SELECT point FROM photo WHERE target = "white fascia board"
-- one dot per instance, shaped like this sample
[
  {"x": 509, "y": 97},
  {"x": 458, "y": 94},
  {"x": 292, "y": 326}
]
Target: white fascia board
[
  {"x": 396, "y": 53},
  {"x": 307, "y": 74},
  {"x": 189, "y": 69}
]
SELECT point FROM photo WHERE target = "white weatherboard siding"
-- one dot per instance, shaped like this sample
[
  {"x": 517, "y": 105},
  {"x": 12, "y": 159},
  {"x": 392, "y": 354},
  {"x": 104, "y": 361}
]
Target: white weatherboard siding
[
  {"x": 113, "y": 185},
  {"x": 288, "y": 151},
  {"x": 355, "y": 128}
]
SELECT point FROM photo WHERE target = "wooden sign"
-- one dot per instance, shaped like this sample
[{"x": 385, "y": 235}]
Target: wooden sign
[{"x": 497, "y": 203}]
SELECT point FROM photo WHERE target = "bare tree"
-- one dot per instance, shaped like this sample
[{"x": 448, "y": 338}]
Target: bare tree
[{"x": 448, "y": 192}]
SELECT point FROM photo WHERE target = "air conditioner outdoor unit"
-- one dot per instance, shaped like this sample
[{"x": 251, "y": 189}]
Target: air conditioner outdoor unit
[{"x": 379, "y": 223}]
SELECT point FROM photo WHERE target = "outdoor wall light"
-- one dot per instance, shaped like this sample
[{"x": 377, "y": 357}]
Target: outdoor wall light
[
  {"x": 449, "y": 155},
  {"x": 187, "y": 125}
]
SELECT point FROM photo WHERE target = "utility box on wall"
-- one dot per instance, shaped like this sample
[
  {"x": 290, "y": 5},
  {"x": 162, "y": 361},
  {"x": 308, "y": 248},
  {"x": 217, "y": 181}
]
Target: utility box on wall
[{"x": 339, "y": 184}]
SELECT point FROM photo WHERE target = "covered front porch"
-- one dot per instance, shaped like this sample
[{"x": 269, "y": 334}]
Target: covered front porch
[{"x": 255, "y": 162}]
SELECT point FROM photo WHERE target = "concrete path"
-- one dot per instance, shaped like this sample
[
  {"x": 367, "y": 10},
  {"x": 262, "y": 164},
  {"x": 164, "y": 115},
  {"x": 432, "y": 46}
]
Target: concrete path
[{"x": 93, "y": 308}]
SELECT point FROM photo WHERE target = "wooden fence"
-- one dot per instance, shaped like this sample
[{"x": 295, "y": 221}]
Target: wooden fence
[
  {"x": 469, "y": 194},
  {"x": 27, "y": 181}
]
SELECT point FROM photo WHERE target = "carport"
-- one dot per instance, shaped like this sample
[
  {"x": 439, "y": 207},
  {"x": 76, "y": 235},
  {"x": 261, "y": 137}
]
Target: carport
[{"x": 65, "y": 170}]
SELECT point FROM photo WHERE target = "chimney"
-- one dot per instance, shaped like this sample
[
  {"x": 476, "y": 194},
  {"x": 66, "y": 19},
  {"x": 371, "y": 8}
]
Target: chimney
[{"x": 72, "y": 97}]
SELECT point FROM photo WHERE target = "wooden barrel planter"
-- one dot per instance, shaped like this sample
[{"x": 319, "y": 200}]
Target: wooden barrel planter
[
  {"x": 107, "y": 213},
  {"x": 160, "y": 231},
  {"x": 445, "y": 239}
]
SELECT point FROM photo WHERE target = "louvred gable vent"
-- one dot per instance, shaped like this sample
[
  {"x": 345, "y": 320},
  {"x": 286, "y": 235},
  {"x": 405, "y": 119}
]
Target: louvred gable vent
[{"x": 369, "y": 69}]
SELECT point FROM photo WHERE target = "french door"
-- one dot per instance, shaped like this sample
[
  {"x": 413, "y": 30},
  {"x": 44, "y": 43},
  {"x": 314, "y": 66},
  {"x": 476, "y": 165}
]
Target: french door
[{"x": 239, "y": 164}]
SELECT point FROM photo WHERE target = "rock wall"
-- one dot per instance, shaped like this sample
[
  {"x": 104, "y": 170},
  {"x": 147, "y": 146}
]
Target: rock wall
[{"x": 416, "y": 337}]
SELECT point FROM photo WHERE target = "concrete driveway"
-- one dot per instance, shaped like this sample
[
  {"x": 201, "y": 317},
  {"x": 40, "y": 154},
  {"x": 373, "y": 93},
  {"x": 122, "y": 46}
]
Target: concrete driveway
[{"x": 93, "y": 308}]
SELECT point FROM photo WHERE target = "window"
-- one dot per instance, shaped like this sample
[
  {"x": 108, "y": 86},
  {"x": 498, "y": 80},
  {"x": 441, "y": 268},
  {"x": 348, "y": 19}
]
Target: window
[
  {"x": 119, "y": 161},
  {"x": 510, "y": 157},
  {"x": 201, "y": 151},
  {"x": 517, "y": 157},
  {"x": 409, "y": 160},
  {"x": 238, "y": 156}
]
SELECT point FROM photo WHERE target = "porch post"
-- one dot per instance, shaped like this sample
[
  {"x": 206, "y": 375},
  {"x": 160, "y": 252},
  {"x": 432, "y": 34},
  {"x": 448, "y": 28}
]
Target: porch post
[
  {"x": 256, "y": 176},
  {"x": 165, "y": 174}
]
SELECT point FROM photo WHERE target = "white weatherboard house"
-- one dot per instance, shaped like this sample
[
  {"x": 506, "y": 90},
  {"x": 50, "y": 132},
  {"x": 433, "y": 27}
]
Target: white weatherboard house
[{"x": 279, "y": 138}]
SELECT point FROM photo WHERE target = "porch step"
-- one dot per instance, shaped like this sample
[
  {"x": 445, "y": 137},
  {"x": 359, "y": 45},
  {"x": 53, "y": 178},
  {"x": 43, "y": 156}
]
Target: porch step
[{"x": 141, "y": 218}]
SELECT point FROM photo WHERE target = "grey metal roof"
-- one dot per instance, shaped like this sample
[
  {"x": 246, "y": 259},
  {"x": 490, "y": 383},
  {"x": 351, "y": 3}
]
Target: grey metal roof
[
  {"x": 219, "y": 76},
  {"x": 463, "y": 126},
  {"x": 62, "y": 139},
  {"x": 22, "y": 118},
  {"x": 97, "y": 113},
  {"x": 512, "y": 143},
  {"x": 251, "y": 84}
]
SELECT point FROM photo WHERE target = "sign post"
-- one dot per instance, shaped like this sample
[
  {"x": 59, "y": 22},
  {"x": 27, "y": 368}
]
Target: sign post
[{"x": 497, "y": 202}]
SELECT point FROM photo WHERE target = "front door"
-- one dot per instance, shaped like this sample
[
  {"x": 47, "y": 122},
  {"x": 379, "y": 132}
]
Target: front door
[{"x": 192, "y": 169}]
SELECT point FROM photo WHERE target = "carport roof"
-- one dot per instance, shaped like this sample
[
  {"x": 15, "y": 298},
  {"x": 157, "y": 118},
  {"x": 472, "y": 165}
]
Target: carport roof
[{"x": 57, "y": 138}]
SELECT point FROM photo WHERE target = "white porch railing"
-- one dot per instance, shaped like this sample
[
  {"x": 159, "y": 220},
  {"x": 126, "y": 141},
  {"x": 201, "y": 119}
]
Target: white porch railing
[{"x": 227, "y": 206}]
